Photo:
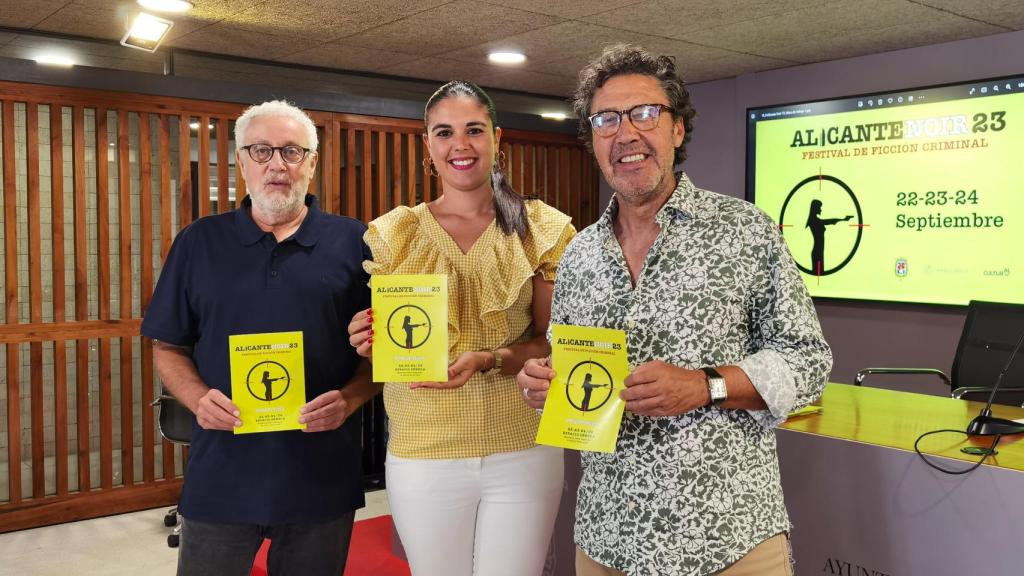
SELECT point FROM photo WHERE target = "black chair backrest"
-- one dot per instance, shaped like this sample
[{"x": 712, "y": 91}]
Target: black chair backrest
[
  {"x": 990, "y": 332},
  {"x": 175, "y": 420}
]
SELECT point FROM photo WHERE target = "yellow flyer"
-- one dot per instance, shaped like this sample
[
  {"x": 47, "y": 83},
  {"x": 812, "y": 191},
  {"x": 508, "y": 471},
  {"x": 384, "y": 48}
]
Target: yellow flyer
[
  {"x": 410, "y": 327},
  {"x": 583, "y": 410},
  {"x": 268, "y": 380}
]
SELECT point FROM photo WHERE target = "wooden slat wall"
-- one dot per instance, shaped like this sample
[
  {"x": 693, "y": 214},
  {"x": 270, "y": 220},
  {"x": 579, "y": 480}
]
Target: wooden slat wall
[
  {"x": 127, "y": 190},
  {"x": 146, "y": 287},
  {"x": 11, "y": 305},
  {"x": 81, "y": 304},
  {"x": 60, "y": 363},
  {"x": 35, "y": 274}
]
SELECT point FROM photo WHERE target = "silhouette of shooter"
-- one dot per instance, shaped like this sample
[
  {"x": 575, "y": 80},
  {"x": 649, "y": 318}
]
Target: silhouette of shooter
[
  {"x": 588, "y": 390},
  {"x": 268, "y": 383},
  {"x": 817, "y": 226},
  {"x": 407, "y": 325}
]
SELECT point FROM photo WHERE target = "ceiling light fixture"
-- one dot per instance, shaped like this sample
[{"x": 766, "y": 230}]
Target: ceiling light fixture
[
  {"x": 554, "y": 115},
  {"x": 506, "y": 57},
  {"x": 166, "y": 5},
  {"x": 146, "y": 32},
  {"x": 54, "y": 60}
]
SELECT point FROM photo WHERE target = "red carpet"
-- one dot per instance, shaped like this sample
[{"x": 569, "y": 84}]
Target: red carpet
[{"x": 369, "y": 554}]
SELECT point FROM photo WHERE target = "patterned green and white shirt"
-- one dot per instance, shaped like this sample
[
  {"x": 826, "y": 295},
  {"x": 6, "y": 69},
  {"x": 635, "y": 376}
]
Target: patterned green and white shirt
[{"x": 690, "y": 494}]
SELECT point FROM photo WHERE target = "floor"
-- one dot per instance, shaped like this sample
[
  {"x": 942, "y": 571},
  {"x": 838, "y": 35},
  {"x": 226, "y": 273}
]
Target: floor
[{"x": 127, "y": 544}]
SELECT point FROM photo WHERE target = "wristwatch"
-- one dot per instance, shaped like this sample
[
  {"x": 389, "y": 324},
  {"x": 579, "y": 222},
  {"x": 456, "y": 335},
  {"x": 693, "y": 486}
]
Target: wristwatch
[
  {"x": 497, "y": 363},
  {"x": 716, "y": 386}
]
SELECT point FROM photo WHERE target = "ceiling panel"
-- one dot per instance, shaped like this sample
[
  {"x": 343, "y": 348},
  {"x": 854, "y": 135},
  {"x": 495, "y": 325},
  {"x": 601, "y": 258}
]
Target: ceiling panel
[
  {"x": 449, "y": 27},
  {"x": 696, "y": 62},
  {"x": 1004, "y": 13},
  {"x": 444, "y": 69},
  {"x": 343, "y": 56},
  {"x": 905, "y": 35},
  {"x": 820, "y": 33},
  {"x": 94, "y": 19},
  {"x": 250, "y": 43},
  {"x": 528, "y": 81},
  {"x": 28, "y": 14},
  {"x": 443, "y": 39},
  {"x": 550, "y": 44},
  {"x": 673, "y": 19},
  {"x": 567, "y": 8},
  {"x": 327, "y": 19}
]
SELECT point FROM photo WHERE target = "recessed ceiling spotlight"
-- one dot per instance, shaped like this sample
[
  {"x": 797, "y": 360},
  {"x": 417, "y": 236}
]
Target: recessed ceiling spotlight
[
  {"x": 554, "y": 115},
  {"x": 506, "y": 57},
  {"x": 54, "y": 60},
  {"x": 166, "y": 5},
  {"x": 146, "y": 32}
]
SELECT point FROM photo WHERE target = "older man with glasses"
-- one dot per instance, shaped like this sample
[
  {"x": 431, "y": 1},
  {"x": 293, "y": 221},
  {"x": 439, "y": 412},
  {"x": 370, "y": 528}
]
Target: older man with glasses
[
  {"x": 276, "y": 264},
  {"x": 722, "y": 334}
]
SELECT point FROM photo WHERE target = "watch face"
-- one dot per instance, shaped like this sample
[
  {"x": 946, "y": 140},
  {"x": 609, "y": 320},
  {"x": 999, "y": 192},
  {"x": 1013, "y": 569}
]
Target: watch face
[{"x": 718, "y": 390}]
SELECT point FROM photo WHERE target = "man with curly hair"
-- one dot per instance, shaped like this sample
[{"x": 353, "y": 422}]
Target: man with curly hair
[{"x": 720, "y": 329}]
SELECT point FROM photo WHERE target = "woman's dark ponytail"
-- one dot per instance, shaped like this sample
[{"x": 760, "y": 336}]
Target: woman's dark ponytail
[{"x": 509, "y": 207}]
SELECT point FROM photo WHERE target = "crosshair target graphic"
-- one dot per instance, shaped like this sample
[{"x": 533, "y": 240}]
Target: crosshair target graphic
[
  {"x": 409, "y": 326},
  {"x": 822, "y": 207},
  {"x": 270, "y": 380},
  {"x": 589, "y": 386}
]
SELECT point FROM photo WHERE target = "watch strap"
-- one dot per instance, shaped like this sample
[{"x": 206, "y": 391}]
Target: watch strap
[{"x": 496, "y": 367}]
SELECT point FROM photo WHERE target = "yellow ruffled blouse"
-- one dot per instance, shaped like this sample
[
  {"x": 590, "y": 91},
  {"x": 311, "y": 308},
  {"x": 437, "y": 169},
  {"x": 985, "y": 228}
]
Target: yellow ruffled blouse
[{"x": 490, "y": 294}]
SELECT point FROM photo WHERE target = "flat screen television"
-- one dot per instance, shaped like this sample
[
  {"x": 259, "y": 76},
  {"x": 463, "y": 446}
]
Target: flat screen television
[{"x": 915, "y": 195}]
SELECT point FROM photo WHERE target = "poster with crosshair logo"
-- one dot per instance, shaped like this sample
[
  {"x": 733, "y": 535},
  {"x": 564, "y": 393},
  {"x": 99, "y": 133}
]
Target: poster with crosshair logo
[
  {"x": 410, "y": 327},
  {"x": 583, "y": 410},
  {"x": 268, "y": 381}
]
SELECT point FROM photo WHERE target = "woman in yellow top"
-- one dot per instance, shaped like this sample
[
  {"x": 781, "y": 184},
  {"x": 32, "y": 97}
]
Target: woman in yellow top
[{"x": 469, "y": 491}]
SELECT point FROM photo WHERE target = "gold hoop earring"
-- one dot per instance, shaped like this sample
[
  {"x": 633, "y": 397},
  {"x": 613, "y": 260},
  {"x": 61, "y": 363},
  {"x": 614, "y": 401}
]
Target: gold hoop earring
[
  {"x": 501, "y": 160},
  {"x": 428, "y": 167}
]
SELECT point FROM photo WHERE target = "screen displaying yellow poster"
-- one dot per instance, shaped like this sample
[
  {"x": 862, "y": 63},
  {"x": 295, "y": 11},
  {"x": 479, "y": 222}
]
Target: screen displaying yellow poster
[
  {"x": 268, "y": 380},
  {"x": 583, "y": 409},
  {"x": 410, "y": 327},
  {"x": 912, "y": 196}
]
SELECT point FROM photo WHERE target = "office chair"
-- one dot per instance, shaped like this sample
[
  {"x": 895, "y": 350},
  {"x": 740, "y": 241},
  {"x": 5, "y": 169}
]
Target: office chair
[
  {"x": 990, "y": 332},
  {"x": 174, "y": 421}
]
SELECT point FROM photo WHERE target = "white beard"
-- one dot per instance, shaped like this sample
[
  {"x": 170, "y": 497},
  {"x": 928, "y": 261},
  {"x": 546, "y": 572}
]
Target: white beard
[{"x": 275, "y": 208}]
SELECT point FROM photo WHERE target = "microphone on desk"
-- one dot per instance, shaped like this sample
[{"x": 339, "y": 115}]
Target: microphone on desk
[{"x": 984, "y": 424}]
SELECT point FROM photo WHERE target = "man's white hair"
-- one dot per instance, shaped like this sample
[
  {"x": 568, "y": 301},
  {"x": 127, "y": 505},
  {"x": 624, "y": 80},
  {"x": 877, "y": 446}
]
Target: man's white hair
[{"x": 275, "y": 108}]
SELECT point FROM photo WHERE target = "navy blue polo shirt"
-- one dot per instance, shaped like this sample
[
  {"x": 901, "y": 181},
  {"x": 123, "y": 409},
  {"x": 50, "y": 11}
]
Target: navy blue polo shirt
[{"x": 225, "y": 276}]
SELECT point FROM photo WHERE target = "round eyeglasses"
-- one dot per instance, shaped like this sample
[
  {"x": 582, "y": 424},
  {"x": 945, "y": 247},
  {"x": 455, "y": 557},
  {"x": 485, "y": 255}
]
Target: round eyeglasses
[
  {"x": 262, "y": 153},
  {"x": 643, "y": 117}
]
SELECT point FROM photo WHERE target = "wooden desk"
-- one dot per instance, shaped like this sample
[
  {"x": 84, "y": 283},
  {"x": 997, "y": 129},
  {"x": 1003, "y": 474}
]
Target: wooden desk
[
  {"x": 862, "y": 503},
  {"x": 896, "y": 419}
]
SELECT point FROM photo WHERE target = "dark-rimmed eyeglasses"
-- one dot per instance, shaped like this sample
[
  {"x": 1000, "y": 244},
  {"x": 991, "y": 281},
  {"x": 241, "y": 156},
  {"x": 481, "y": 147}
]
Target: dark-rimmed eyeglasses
[
  {"x": 262, "y": 153},
  {"x": 643, "y": 116}
]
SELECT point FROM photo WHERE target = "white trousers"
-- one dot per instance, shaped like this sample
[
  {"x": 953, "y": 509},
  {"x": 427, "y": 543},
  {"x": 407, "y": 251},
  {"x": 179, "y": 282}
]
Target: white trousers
[{"x": 490, "y": 516}]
